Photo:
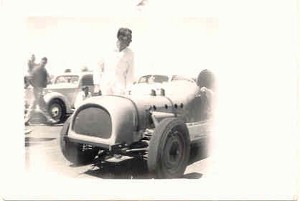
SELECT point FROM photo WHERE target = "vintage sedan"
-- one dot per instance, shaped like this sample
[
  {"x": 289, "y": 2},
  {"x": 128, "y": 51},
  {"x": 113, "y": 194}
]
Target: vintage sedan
[
  {"x": 157, "y": 127},
  {"x": 153, "y": 83},
  {"x": 60, "y": 96}
]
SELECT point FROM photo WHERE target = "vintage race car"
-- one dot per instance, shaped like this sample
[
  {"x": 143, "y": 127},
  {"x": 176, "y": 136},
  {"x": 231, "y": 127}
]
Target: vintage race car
[
  {"x": 161, "y": 128},
  {"x": 61, "y": 94}
]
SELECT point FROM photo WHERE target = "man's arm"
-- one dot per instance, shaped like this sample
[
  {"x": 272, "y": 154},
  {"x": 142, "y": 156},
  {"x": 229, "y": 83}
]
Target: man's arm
[
  {"x": 98, "y": 77},
  {"x": 48, "y": 78},
  {"x": 130, "y": 75}
]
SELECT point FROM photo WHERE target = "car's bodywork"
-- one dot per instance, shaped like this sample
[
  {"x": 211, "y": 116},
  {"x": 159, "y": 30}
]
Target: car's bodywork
[{"x": 158, "y": 127}]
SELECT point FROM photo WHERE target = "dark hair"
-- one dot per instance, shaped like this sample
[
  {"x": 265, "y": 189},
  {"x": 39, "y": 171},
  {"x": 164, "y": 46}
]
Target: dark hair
[
  {"x": 84, "y": 88},
  {"x": 45, "y": 58},
  {"x": 124, "y": 32},
  {"x": 206, "y": 79}
]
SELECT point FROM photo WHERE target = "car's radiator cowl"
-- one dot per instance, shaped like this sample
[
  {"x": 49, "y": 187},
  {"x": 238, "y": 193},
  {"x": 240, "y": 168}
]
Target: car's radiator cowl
[{"x": 92, "y": 120}]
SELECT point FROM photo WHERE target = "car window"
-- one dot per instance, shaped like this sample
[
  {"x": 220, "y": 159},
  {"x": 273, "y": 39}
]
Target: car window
[
  {"x": 87, "y": 80},
  {"x": 143, "y": 79},
  {"x": 153, "y": 79},
  {"x": 178, "y": 77},
  {"x": 160, "y": 78},
  {"x": 66, "y": 79}
]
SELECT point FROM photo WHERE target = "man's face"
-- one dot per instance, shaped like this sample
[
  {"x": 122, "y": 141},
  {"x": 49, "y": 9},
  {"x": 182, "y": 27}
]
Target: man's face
[
  {"x": 43, "y": 62},
  {"x": 122, "y": 42}
]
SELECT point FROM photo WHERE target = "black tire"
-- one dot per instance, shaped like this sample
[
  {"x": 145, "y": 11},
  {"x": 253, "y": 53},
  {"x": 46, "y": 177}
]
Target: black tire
[
  {"x": 169, "y": 149},
  {"x": 57, "y": 110},
  {"x": 199, "y": 151},
  {"x": 74, "y": 152}
]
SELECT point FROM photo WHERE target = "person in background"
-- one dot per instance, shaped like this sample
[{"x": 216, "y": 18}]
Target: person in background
[
  {"x": 39, "y": 81},
  {"x": 81, "y": 96},
  {"x": 118, "y": 68},
  {"x": 31, "y": 65},
  {"x": 206, "y": 83}
]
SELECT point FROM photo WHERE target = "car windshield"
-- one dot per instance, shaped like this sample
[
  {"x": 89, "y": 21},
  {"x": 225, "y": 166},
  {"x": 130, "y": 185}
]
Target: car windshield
[
  {"x": 66, "y": 79},
  {"x": 153, "y": 79},
  {"x": 179, "y": 78}
]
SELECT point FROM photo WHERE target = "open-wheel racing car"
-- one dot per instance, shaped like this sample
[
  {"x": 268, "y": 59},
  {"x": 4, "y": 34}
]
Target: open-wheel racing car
[{"x": 161, "y": 128}]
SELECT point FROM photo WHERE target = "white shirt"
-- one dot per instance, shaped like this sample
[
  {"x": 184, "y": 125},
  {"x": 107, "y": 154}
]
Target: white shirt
[
  {"x": 81, "y": 97},
  {"x": 118, "y": 72}
]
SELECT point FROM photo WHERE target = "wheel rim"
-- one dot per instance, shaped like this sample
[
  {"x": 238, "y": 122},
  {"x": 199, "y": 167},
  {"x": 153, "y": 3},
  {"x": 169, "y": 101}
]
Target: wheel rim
[
  {"x": 173, "y": 152},
  {"x": 55, "y": 111}
]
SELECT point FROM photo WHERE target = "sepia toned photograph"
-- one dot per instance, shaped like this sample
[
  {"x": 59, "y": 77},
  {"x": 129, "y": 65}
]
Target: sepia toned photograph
[
  {"x": 149, "y": 100},
  {"x": 105, "y": 116}
]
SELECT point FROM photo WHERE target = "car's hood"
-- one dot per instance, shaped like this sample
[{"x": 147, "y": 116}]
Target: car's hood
[
  {"x": 180, "y": 91},
  {"x": 105, "y": 100},
  {"x": 147, "y": 85}
]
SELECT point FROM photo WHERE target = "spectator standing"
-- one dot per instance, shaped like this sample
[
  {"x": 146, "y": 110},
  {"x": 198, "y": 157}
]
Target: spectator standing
[
  {"x": 118, "y": 67},
  {"x": 39, "y": 81},
  {"x": 31, "y": 65},
  {"x": 206, "y": 83}
]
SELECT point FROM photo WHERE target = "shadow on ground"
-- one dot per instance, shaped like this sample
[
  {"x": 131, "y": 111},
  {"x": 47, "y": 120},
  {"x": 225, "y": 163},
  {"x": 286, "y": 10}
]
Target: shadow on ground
[
  {"x": 132, "y": 168},
  {"x": 136, "y": 168},
  {"x": 198, "y": 152},
  {"x": 29, "y": 141},
  {"x": 39, "y": 119}
]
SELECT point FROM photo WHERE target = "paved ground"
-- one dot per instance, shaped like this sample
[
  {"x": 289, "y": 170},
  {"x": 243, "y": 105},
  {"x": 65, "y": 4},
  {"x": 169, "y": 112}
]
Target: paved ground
[{"x": 43, "y": 155}]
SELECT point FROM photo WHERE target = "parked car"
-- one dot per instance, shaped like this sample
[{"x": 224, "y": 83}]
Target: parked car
[
  {"x": 153, "y": 83},
  {"x": 159, "y": 128},
  {"x": 61, "y": 94}
]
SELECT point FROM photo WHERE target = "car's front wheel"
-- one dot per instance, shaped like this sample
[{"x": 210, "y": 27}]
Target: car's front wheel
[
  {"x": 169, "y": 149},
  {"x": 57, "y": 110},
  {"x": 76, "y": 153}
]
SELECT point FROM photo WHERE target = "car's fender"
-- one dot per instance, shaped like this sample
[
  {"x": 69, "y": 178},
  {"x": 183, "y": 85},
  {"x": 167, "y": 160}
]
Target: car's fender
[{"x": 55, "y": 95}]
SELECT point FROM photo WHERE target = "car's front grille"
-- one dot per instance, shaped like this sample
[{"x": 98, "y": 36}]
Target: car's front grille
[{"x": 93, "y": 121}]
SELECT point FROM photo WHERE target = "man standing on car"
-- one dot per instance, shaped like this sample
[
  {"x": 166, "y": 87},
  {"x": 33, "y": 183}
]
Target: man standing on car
[
  {"x": 39, "y": 81},
  {"x": 118, "y": 67}
]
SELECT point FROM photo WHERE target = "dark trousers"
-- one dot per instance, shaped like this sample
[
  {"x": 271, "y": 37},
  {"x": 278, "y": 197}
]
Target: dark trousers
[{"x": 37, "y": 101}]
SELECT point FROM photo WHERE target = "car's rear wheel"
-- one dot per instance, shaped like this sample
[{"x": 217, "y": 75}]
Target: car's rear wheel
[
  {"x": 57, "y": 110},
  {"x": 169, "y": 149},
  {"x": 76, "y": 153}
]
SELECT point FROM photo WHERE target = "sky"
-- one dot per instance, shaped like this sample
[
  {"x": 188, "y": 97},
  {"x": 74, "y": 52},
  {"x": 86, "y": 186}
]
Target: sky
[
  {"x": 75, "y": 34},
  {"x": 183, "y": 45}
]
